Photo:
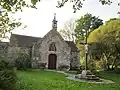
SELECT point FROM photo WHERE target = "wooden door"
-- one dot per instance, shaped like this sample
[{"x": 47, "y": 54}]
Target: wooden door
[{"x": 52, "y": 61}]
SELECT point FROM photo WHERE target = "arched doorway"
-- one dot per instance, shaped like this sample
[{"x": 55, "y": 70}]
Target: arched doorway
[{"x": 52, "y": 59}]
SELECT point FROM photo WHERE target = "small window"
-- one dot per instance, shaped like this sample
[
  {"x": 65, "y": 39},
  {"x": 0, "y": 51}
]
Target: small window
[{"x": 52, "y": 47}]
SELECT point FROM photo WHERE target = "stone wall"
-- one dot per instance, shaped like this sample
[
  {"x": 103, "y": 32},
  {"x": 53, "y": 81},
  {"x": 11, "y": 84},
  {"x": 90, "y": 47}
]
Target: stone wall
[
  {"x": 13, "y": 51},
  {"x": 36, "y": 55},
  {"x": 75, "y": 60},
  {"x": 39, "y": 51},
  {"x": 14, "y": 48},
  {"x": 62, "y": 50}
]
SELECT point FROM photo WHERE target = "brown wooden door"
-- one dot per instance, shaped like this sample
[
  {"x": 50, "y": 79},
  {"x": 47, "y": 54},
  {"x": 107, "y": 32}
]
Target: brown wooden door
[{"x": 52, "y": 61}]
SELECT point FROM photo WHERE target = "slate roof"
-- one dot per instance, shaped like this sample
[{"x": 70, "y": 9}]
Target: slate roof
[
  {"x": 27, "y": 41},
  {"x": 72, "y": 45},
  {"x": 23, "y": 41}
]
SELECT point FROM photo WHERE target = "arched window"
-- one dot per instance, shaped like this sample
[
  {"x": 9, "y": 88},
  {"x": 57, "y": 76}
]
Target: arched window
[{"x": 52, "y": 47}]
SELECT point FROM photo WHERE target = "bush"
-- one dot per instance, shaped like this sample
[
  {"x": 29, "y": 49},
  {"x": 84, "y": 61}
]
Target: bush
[
  {"x": 91, "y": 65},
  {"x": 63, "y": 67},
  {"x": 23, "y": 61},
  {"x": 7, "y": 75}
]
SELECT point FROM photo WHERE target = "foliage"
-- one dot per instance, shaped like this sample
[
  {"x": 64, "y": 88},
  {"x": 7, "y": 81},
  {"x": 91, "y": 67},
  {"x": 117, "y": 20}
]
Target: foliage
[
  {"x": 106, "y": 41},
  {"x": 15, "y": 5},
  {"x": 68, "y": 32},
  {"x": 77, "y": 4},
  {"x": 7, "y": 9},
  {"x": 7, "y": 24},
  {"x": 85, "y": 25},
  {"x": 48, "y": 80},
  {"x": 10, "y": 7},
  {"x": 91, "y": 65},
  {"x": 109, "y": 27},
  {"x": 7, "y": 75},
  {"x": 23, "y": 61}
]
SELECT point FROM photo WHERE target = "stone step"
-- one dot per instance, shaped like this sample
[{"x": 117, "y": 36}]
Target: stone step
[
  {"x": 95, "y": 78},
  {"x": 91, "y": 76}
]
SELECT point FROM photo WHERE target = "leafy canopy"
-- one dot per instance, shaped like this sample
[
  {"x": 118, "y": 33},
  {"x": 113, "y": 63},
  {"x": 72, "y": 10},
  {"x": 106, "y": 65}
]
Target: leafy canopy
[
  {"x": 11, "y": 6},
  {"x": 107, "y": 40},
  {"x": 86, "y": 23},
  {"x": 113, "y": 25},
  {"x": 77, "y": 4},
  {"x": 7, "y": 9}
]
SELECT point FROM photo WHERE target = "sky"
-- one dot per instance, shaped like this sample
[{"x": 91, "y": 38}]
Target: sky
[{"x": 39, "y": 21}]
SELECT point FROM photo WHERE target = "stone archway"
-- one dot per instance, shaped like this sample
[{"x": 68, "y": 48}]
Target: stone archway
[{"x": 52, "y": 59}]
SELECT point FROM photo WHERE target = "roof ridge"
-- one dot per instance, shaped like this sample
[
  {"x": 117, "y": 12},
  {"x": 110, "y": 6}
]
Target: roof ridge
[
  {"x": 25, "y": 35},
  {"x": 24, "y": 41}
]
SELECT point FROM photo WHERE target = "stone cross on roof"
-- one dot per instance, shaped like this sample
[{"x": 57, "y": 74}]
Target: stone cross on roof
[{"x": 54, "y": 23}]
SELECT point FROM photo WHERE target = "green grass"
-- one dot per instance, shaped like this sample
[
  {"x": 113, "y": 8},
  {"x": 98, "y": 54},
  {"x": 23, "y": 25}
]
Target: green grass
[
  {"x": 47, "y": 80},
  {"x": 110, "y": 75}
]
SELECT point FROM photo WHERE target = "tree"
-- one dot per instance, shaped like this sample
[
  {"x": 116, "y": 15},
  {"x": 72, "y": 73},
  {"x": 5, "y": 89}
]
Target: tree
[
  {"x": 7, "y": 9},
  {"x": 77, "y": 4},
  {"x": 11, "y": 6},
  {"x": 68, "y": 31},
  {"x": 8, "y": 77},
  {"x": 107, "y": 38},
  {"x": 85, "y": 25},
  {"x": 8, "y": 23},
  {"x": 23, "y": 61}
]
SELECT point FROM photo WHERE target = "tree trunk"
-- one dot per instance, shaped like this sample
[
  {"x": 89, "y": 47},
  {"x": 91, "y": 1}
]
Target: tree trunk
[
  {"x": 113, "y": 63},
  {"x": 108, "y": 66}
]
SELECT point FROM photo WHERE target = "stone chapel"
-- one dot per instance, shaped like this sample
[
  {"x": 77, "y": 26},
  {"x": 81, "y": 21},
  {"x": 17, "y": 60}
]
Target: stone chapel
[{"x": 52, "y": 49}]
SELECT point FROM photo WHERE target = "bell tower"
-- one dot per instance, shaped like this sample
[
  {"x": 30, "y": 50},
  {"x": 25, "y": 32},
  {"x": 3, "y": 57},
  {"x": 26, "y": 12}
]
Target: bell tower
[{"x": 54, "y": 22}]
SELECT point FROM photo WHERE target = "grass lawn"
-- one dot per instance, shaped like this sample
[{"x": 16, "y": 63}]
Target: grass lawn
[{"x": 48, "y": 80}]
